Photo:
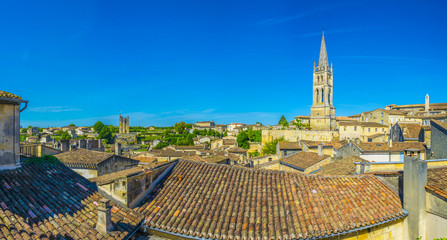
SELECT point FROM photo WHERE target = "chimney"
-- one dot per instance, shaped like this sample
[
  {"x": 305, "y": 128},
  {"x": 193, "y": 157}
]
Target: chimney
[
  {"x": 415, "y": 180},
  {"x": 104, "y": 224},
  {"x": 118, "y": 148},
  {"x": 391, "y": 143},
  {"x": 320, "y": 149},
  {"x": 65, "y": 145}
]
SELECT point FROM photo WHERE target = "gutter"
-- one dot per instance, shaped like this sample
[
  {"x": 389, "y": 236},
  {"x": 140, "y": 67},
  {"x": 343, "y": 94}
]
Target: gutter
[
  {"x": 146, "y": 228},
  {"x": 135, "y": 230},
  {"x": 15, "y": 100}
]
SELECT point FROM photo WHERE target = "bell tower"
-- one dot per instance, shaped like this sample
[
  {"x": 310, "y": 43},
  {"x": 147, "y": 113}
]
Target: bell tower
[{"x": 322, "y": 112}]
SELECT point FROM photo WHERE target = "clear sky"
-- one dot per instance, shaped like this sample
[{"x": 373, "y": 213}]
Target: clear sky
[{"x": 229, "y": 61}]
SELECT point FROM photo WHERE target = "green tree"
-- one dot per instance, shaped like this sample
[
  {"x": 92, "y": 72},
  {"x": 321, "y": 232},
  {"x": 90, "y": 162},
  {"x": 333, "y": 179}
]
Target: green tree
[
  {"x": 180, "y": 127},
  {"x": 59, "y": 133},
  {"x": 106, "y": 134},
  {"x": 161, "y": 145},
  {"x": 98, "y": 126},
  {"x": 270, "y": 147},
  {"x": 65, "y": 136},
  {"x": 283, "y": 121},
  {"x": 23, "y": 130},
  {"x": 242, "y": 140},
  {"x": 72, "y": 125}
]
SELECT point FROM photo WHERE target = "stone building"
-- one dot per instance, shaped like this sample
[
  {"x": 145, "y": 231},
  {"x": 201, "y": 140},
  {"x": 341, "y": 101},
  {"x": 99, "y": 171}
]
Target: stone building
[
  {"x": 128, "y": 187},
  {"x": 322, "y": 112},
  {"x": 92, "y": 164},
  {"x": 124, "y": 124},
  {"x": 438, "y": 139},
  {"x": 284, "y": 149},
  {"x": 10, "y": 129},
  {"x": 302, "y": 162}
]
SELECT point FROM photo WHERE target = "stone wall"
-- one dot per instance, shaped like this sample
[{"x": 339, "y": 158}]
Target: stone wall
[
  {"x": 438, "y": 141},
  {"x": 296, "y": 135},
  {"x": 115, "y": 164},
  {"x": 9, "y": 136},
  {"x": 436, "y": 216}
]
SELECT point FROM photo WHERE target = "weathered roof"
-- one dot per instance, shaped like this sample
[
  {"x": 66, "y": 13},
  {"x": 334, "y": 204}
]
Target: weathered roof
[
  {"x": 410, "y": 130},
  {"x": 216, "y": 158},
  {"x": 437, "y": 181},
  {"x": 83, "y": 156},
  {"x": 303, "y": 117},
  {"x": 344, "y": 166},
  {"x": 440, "y": 124},
  {"x": 396, "y": 146},
  {"x": 303, "y": 160},
  {"x": 196, "y": 158},
  {"x": 226, "y": 202},
  {"x": 333, "y": 144},
  {"x": 289, "y": 145},
  {"x": 4, "y": 94},
  {"x": 350, "y": 123},
  {"x": 376, "y": 135},
  {"x": 237, "y": 150},
  {"x": 50, "y": 201},
  {"x": 345, "y": 119}
]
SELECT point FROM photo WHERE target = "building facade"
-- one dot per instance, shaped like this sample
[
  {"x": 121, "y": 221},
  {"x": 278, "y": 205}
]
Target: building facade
[{"x": 322, "y": 112}]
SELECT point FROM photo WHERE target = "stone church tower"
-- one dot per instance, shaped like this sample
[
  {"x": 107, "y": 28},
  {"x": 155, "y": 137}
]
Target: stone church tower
[
  {"x": 322, "y": 112},
  {"x": 124, "y": 124}
]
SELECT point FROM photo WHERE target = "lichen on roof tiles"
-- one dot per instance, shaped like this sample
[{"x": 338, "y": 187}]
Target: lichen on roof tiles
[{"x": 225, "y": 202}]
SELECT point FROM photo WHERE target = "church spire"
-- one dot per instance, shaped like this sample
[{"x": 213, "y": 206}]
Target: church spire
[{"x": 323, "y": 63}]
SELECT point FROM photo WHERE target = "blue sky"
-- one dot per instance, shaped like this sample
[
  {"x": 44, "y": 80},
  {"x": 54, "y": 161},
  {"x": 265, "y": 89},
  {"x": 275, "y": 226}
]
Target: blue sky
[{"x": 229, "y": 61}]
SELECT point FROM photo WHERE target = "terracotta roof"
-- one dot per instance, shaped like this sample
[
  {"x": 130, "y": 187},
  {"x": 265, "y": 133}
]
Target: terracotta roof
[
  {"x": 196, "y": 158},
  {"x": 393, "y": 112},
  {"x": 216, "y": 158},
  {"x": 237, "y": 150},
  {"x": 226, "y": 202},
  {"x": 437, "y": 116},
  {"x": 50, "y": 201},
  {"x": 83, "y": 156},
  {"x": 144, "y": 159},
  {"x": 345, "y": 119},
  {"x": 229, "y": 141},
  {"x": 410, "y": 130},
  {"x": 303, "y": 160},
  {"x": 437, "y": 181},
  {"x": 191, "y": 147},
  {"x": 344, "y": 166},
  {"x": 4, "y": 94},
  {"x": 169, "y": 153},
  {"x": 440, "y": 124},
  {"x": 289, "y": 145},
  {"x": 396, "y": 146},
  {"x": 355, "y": 115},
  {"x": 334, "y": 144}
]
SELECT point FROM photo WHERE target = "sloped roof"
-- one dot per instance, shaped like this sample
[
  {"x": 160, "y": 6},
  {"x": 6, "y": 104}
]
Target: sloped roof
[
  {"x": 396, "y": 146},
  {"x": 51, "y": 201},
  {"x": 237, "y": 150},
  {"x": 83, "y": 156},
  {"x": 345, "y": 119},
  {"x": 226, "y": 202},
  {"x": 373, "y": 124},
  {"x": 4, "y": 94},
  {"x": 289, "y": 145},
  {"x": 410, "y": 130},
  {"x": 437, "y": 181},
  {"x": 350, "y": 123},
  {"x": 344, "y": 166},
  {"x": 304, "y": 160},
  {"x": 440, "y": 124},
  {"x": 120, "y": 174},
  {"x": 334, "y": 144}
]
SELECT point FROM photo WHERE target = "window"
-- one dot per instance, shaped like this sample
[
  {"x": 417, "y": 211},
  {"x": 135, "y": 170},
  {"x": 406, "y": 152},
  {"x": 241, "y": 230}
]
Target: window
[
  {"x": 344, "y": 128},
  {"x": 376, "y": 129},
  {"x": 400, "y": 119},
  {"x": 369, "y": 129},
  {"x": 383, "y": 129},
  {"x": 382, "y": 121},
  {"x": 355, "y": 128},
  {"x": 382, "y": 114},
  {"x": 370, "y": 114}
]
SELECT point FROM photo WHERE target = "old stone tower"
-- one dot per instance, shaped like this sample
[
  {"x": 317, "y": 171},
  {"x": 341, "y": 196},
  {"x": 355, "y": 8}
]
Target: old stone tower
[
  {"x": 322, "y": 112},
  {"x": 124, "y": 124}
]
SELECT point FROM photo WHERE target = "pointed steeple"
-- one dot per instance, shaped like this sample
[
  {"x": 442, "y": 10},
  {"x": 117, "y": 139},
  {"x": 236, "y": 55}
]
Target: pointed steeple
[{"x": 323, "y": 63}]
